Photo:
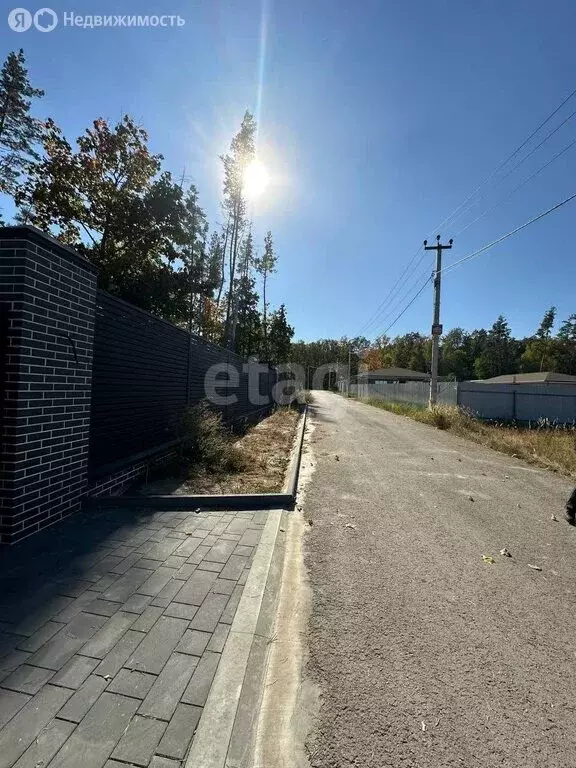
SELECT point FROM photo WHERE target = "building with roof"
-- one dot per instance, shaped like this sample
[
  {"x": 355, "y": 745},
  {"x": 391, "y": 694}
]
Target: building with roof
[
  {"x": 542, "y": 377},
  {"x": 391, "y": 375}
]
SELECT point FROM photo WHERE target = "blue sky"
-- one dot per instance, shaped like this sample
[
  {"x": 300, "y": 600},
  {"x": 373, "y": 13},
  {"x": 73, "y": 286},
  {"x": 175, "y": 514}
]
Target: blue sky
[{"x": 376, "y": 120}]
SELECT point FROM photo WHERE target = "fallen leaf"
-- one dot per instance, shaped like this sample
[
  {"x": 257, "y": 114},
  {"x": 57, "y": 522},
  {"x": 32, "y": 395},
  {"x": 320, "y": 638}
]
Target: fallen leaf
[
  {"x": 505, "y": 553},
  {"x": 107, "y": 677},
  {"x": 423, "y": 725},
  {"x": 310, "y": 522},
  {"x": 554, "y": 518},
  {"x": 283, "y": 530},
  {"x": 337, "y": 457},
  {"x": 488, "y": 559},
  {"x": 534, "y": 567},
  {"x": 350, "y": 525}
]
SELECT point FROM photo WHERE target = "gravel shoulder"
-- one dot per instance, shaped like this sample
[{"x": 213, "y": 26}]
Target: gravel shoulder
[{"x": 424, "y": 654}]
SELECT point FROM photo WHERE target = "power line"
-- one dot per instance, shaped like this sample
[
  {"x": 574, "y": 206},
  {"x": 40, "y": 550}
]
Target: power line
[
  {"x": 400, "y": 300},
  {"x": 407, "y": 307},
  {"x": 477, "y": 253},
  {"x": 507, "y": 160},
  {"x": 388, "y": 300},
  {"x": 517, "y": 165},
  {"x": 508, "y": 234},
  {"x": 522, "y": 184}
]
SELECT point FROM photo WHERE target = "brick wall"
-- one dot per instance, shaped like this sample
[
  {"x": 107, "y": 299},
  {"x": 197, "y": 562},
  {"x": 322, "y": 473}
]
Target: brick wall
[{"x": 47, "y": 300}]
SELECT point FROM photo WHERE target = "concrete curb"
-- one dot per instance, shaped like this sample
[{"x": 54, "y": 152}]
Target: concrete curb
[
  {"x": 226, "y": 734},
  {"x": 231, "y": 710},
  {"x": 291, "y": 482},
  {"x": 239, "y": 501}
]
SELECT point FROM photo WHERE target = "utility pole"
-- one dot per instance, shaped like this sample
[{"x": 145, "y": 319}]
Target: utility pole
[
  {"x": 436, "y": 326},
  {"x": 349, "y": 367}
]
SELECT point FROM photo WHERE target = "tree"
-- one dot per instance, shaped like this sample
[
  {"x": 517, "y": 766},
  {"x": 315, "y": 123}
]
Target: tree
[
  {"x": 279, "y": 337},
  {"x": 567, "y": 346},
  {"x": 372, "y": 359},
  {"x": 19, "y": 131},
  {"x": 242, "y": 151},
  {"x": 248, "y": 331},
  {"x": 265, "y": 266},
  {"x": 107, "y": 201},
  {"x": 456, "y": 358},
  {"x": 408, "y": 351},
  {"x": 499, "y": 356},
  {"x": 193, "y": 255},
  {"x": 539, "y": 354},
  {"x": 90, "y": 195}
]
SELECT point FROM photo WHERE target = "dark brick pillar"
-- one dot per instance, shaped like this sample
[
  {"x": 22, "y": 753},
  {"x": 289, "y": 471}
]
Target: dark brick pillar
[{"x": 47, "y": 304}]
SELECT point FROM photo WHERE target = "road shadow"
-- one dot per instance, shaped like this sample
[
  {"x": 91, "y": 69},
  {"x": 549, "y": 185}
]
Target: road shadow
[
  {"x": 320, "y": 412},
  {"x": 40, "y": 575}
]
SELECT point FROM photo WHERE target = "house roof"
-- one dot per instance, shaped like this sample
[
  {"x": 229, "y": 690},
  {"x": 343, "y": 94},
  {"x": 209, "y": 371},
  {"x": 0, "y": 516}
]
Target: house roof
[
  {"x": 395, "y": 374},
  {"x": 543, "y": 377}
]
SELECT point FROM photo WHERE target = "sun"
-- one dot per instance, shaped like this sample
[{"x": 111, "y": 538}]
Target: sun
[{"x": 255, "y": 179}]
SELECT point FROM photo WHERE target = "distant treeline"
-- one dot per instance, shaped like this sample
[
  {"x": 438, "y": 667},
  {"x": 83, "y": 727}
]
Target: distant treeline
[{"x": 478, "y": 354}]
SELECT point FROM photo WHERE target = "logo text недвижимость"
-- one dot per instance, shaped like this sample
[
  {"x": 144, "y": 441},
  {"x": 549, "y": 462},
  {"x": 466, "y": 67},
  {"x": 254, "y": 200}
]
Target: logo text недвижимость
[{"x": 46, "y": 19}]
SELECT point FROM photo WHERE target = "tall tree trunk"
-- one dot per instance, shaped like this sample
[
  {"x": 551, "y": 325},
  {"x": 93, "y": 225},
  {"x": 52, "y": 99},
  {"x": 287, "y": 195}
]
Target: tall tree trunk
[
  {"x": 233, "y": 255},
  {"x": 264, "y": 316},
  {"x": 223, "y": 269},
  {"x": 190, "y": 269}
]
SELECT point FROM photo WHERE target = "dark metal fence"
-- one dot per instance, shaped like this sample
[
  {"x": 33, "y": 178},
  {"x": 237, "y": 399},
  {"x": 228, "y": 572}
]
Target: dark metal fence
[{"x": 145, "y": 372}]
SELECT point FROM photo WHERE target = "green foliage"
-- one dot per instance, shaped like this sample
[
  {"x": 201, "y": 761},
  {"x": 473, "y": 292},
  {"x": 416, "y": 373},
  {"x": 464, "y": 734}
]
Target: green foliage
[
  {"x": 463, "y": 354},
  {"x": 313, "y": 354},
  {"x": 499, "y": 355},
  {"x": 279, "y": 337},
  {"x": 541, "y": 351},
  {"x": 20, "y": 133},
  {"x": 108, "y": 197},
  {"x": 248, "y": 335}
]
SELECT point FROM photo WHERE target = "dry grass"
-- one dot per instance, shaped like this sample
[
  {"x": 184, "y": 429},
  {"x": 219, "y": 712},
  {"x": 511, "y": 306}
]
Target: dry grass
[
  {"x": 550, "y": 447},
  {"x": 262, "y": 457}
]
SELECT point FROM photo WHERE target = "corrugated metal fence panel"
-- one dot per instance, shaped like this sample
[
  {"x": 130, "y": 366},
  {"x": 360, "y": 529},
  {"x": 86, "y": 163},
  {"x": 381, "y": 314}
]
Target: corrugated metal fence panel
[
  {"x": 522, "y": 402},
  {"x": 142, "y": 378},
  {"x": 417, "y": 392},
  {"x": 505, "y": 402}
]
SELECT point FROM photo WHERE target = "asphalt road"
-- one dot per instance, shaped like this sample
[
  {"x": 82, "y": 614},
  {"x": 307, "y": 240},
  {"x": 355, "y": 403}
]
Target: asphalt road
[{"x": 425, "y": 655}]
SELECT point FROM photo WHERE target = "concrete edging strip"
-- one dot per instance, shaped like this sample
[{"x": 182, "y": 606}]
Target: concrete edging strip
[
  {"x": 212, "y": 740},
  {"x": 291, "y": 482}
]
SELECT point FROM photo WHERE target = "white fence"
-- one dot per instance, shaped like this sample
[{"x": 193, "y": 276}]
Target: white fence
[{"x": 502, "y": 402}]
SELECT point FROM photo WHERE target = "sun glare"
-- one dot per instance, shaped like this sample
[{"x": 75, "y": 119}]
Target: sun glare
[{"x": 256, "y": 179}]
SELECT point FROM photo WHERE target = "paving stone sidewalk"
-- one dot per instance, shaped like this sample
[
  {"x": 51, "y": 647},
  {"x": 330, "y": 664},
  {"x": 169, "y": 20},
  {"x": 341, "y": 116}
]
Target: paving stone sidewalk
[{"x": 111, "y": 630}]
